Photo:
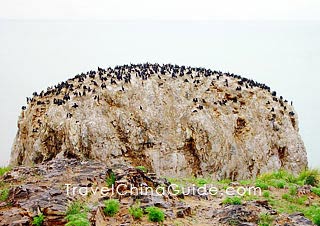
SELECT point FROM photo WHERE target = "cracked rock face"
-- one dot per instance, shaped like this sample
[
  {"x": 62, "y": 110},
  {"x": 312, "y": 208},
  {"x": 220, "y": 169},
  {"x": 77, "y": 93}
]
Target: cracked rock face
[{"x": 177, "y": 121}]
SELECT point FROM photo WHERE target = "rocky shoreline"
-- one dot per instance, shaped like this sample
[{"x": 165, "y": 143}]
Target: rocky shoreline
[{"x": 42, "y": 189}]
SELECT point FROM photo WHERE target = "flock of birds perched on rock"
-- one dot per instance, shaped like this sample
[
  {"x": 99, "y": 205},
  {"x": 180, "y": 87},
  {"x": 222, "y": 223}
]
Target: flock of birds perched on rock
[{"x": 97, "y": 81}]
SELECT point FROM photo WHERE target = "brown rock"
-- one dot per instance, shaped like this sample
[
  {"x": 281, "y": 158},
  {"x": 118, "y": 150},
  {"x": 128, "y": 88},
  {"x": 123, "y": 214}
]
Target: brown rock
[
  {"x": 173, "y": 127},
  {"x": 295, "y": 219}
]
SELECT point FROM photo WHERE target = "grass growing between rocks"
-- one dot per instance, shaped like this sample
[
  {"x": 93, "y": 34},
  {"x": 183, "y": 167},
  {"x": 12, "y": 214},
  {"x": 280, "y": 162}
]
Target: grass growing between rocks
[
  {"x": 281, "y": 189},
  {"x": 111, "y": 207},
  {"x": 265, "y": 219},
  {"x": 292, "y": 204},
  {"x": 285, "y": 192},
  {"x": 4, "y": 187},
  {"x": 316, "y": 191},
  {"x": 3, "y": 170},
  {"x": 111, "y": 179},
  {"x": 142, "y": 168},
  {"x": 77, "y": 214},
  {"x": 283, "y": 179},
  {"x": 245, "y": 182},
  {"x": 38, "y": 220},
  {"x": 4, "y": 194},
  {"x": 249, "y": 197},
  {"x": 198, "y": 181},
  {"x": 232, "y": 200},
  {"x": 136, "y": 211},
  {"x": 313, "y": 213},
  {"x": 155, "y": 214}
]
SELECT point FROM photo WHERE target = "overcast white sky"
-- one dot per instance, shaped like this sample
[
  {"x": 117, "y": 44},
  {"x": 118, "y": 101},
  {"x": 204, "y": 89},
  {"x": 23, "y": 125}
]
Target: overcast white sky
[
  {"x": 274, "y": 42},
  {"x": 162, "y": 9}
]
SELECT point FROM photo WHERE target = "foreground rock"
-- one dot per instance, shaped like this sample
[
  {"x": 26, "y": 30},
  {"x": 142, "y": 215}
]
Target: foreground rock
[
  {"x": 43, "y": 189},
  {"x": 178, "y": 121},
  {"x": 49, "y": 189}
]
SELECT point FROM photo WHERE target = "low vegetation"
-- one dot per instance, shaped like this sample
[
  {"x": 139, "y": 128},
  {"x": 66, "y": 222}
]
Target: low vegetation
[
  {"x": 293, "y": 190},
  {"x": 313, "y": 213},
  {"x": 198, "y": 181},
  {"x": 282, "y": 179},
  {"x": 4, "y": 194},
  {"x": 155, "y": 214},
  {"x": 265, "y": 219},
  {"x": 142, "y": 168},
  {"x": 266, "y": 194},
  {"x": 261, "y": 184},
  {"x": 136, "y": 211},
  {"x": 287, "y": 199},
  {"x": 249, "y": 197},
  {"x": 111, "y": 207},
  {"x": 38, "y": 220},
  {"x": 310, "y": 177},
  {"x": 77, "y": 214},
  {"x": 316, "y": 191},
  {"x": 3, "y": 170},
  {"x": 232, "y": 200},
  {"x": 111, "y": 179},
  {"x": 245, "y": 182},
  {"x": 279, "y": 188}
]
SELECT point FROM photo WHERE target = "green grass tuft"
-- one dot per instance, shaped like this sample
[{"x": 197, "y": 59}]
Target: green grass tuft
[
  {"x": 265, "y": 219},
  {"x": 136, "y": 211},
  {"x": 142, "y": 168},
  {"x": 4, "y": 194},
  {"x": 38, "y": 220},
  {"x": 201, "y": 182},
  {"x": 225, "y": 181},
  {"x": 261, "y": 184},
  {"x": 111, "y": 179},
  {"x": 77, "y": 214},
  {"x": 245, "y": 182},
  {"x": 111, "y": 207},
  {"x": 266, "y": 194},
  {"x": 316, "y": 191},
  {"x": 155, "y": 214},
  {"x": 232, "y": 200},
  {"x": 3, "y": 170},
  {"x": 293, "y": 190},
  {"x": 313, "y": 213},
  {"x": 278, "y": 183},
  {"x": 310, "y": 176}
]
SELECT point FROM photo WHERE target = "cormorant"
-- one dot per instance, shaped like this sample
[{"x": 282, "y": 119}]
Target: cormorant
[{"x": 291, "y": 113}]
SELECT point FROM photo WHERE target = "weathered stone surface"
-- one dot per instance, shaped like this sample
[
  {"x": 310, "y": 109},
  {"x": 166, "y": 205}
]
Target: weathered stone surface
[
  {"x": 237, "y": 214},
  {"x": 293, "y": 219},
  {"x": 304, "y": 190},
  {"x": 47, "y": 192},
  {"x": 177, "y": 121},
  {"x": 249, "y": 214},
  {"x": 31, "y": 193}
]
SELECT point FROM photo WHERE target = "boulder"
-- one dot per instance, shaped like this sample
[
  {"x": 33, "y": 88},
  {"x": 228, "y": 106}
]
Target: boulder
[{"x": 175, "y": 121}]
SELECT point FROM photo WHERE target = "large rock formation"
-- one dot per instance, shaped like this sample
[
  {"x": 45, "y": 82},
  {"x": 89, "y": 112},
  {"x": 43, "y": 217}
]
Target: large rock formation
[{"x": 177, "y": 121}]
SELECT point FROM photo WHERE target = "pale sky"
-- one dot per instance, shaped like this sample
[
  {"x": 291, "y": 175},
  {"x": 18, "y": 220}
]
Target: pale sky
[
  {"x": 274, "y": 42},
  {"x": 161, "y": 9}
]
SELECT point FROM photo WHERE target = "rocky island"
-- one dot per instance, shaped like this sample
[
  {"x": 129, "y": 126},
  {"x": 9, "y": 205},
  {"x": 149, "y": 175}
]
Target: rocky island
[
  {"x": 174, "y": 120},
  {"x": 163, "y": 127}
]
